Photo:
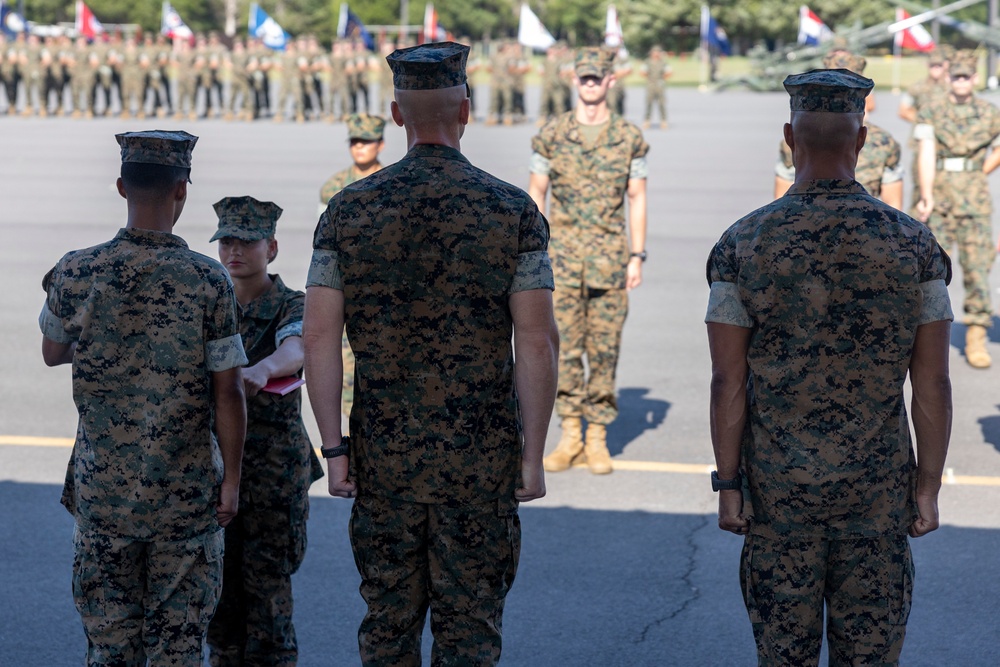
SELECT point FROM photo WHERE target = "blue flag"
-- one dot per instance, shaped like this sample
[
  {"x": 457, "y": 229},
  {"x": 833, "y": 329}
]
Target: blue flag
[
  {"x": 266, "y": 29},
  {"x": 712, "y": 33},
  {"x": 350, "y": 25},
  {"x": 11, "y": 23}
]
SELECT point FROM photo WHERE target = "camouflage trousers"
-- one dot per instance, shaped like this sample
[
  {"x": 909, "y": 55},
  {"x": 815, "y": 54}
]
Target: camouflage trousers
[
  {"x": 253, "y": 624},
  {"x": 974, "y": 237},
  {"x": 554, "y": 101},
  {"x": 590, "y": 323},
  {"x": 457, "y": 561},
  {"x": 347, "y": 391},
  {"x": 657, "y": 97},
  {"x": 241, "y": 98},
  {"x": 144, "y": 601},
  {"x": 866, "y": 584}
]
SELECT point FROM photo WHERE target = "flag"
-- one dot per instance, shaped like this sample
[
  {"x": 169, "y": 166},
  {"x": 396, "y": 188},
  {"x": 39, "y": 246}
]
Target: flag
[
  {"x": 613, "y": 33},
  {"x": 915, "y": 37},
  {"x": 812, "y": 30},
  {"x": 712, "y": 34},
  {"x": 531, "y": 32},
  {"x": 11, "y": 23},
  {"x": 351, "y": 26},
  {"x": 87, "y": 24},
  {"x": 266, "y": 29},
  {"x": 172, "y": 25},
  {"x": 433, "y": 32}
]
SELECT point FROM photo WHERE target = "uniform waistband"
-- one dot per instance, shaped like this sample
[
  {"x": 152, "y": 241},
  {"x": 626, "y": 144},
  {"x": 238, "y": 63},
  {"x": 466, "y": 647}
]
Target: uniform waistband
[{"x": 959, "y": 164}]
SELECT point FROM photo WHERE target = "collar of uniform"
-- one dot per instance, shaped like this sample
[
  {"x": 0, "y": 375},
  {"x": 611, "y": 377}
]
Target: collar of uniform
[
  {"x": 148, "y": 237},
  {"x": 610, "y": 130},
  {"x": 268, "y": 304},
  {"x": 435, "y": 150},
  {"x": 827, "y": 186}
]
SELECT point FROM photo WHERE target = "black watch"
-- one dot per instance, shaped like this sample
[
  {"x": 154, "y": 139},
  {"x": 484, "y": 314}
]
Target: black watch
[
  {"x": 340, "y": 450},
  {"x": 726, "y": 484},
  {"x": 641, "y": 255}
]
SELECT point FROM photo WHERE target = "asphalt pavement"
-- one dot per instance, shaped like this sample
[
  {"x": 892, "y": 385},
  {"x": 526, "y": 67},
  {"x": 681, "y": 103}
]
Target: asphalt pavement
[{"x": 626, "y": 569}]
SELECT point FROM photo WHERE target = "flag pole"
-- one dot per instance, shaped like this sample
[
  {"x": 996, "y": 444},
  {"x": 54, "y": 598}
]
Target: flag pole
[
  {"x": 703, "y": 73},
  {"x": 897, "y": 57}
]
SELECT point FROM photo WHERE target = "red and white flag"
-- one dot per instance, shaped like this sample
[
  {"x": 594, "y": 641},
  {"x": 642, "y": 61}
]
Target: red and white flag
[
  {"x": 433, "y": 32},
  {"x": 915, "y": 37},
  {"x": 87, "y": 24}
]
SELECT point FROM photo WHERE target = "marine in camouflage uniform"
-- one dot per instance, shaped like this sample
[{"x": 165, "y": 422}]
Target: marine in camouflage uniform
[
  {"x": 132, "y": 76},
  {"x": 362, "y": 129},
  {"x": 151, "y": 329},
  {"x": 187, "y": 66},
  {"x": 591, "y": 158},
  {"x": 554, "y": 99},
  {"x": 31, "y": 64},
  {"x": 657, "y": 70},
  {"x": 241, "y": 65},
  {"x": 821, "y": 303},
  {"x": 433, "y": 264},
  {"x": 959, "y": 137},
  {"x": 919, "y": 95},
  {"x": 83, "y": 77},
  {"x": 879, "y": 169},
  {"x": 266, "y": 541},
  {"x": 9, "y": 73}
]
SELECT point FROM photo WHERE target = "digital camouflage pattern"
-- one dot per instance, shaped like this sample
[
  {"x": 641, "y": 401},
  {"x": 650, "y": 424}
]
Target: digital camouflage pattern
[
  {"x": 365, "y": 127},
  {"x": 827, "y": 451},
  {"x": 845, "y": 60},
  {"x": 170, "y": 149},
  {"x": 429, "y": 66},
  {"x": 266, "y": 541},
  {"x": 245, "y": 218},
  {"x": 878, "y": 162},
  {"x": 593, "y": 61},
  {"x": 471, "y": 557},
  {"x": 589, "y": 251},
  {"x": 434, "y": 422},
  {"x": 963, "y": 204},
  {"x": 152, "y": 320},
  {"x": 656, "y": 70},
  {"x": 828, "y": 90},
  {"x": 335, "y": 184},
  {"x": 868, "y": 583},
  {"x": 143, "y": 600},
  {"x": 964, "y": 62}
]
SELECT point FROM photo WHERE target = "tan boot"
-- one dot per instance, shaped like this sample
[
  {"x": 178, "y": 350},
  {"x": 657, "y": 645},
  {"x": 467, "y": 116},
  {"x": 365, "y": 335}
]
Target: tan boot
[
  {"x": 569, "y": 448},
  {"x": 975, "y": 347},
  {"x": 598, "y": 457}
]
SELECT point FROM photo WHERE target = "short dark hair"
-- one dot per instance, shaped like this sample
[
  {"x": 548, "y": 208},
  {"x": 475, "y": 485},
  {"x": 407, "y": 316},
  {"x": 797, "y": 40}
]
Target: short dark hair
[{"x": 152, "y": 177}]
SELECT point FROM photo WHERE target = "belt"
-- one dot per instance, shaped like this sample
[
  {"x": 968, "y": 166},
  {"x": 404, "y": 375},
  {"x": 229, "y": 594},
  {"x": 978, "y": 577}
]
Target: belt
[{"x": 958, "y": 164}]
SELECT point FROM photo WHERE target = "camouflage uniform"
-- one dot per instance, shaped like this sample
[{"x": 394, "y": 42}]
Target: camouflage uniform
[
  {"x": 589, "y": 253},
  {"x": 878, "y": 162},
  {"x": 132, "y": 76},
  {"x": 435, "y": 442},
  {"x": 918, "y": 96},
  {"x": 656, "y": 69},
  {"x": 964, "y": 134},
  {"x": 143, "y": 479},
  {"x": 833, "y": 284},
  {"x": 554, "y": 95},
  {"x": 10, "y": 75}
]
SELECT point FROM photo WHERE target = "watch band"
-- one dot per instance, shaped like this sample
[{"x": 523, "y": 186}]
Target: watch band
[
  {"x": 340, "y": 450},
  {"x": 726, "y": 484},
  {"x": 641, "y": 255}
]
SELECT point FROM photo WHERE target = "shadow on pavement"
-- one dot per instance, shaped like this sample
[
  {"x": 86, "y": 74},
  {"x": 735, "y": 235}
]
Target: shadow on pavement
[{"x": 636, "y": 415}]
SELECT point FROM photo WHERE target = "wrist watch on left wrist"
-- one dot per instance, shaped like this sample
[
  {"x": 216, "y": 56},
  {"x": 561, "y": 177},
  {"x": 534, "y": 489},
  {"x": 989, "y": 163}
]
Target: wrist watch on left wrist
[
  {"x": 641, "y": 255},
  {"x": 726, "y": 484},
  {"x": 340, "y": 450}
]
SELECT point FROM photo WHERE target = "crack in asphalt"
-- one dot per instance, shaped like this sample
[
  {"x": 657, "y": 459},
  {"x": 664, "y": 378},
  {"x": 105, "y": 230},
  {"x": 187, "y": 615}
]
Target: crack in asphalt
[{"x": 692, "y": 562}]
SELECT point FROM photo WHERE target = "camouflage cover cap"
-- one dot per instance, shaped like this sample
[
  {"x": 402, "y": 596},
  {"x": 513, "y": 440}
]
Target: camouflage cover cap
[
  {"x": 168, "y": 148},
  {"x": 366, "y": 127},
  {"x": 245, "y": 218},
  {"x": 964, "y": 62},
  {"x": 594, "y": 61},
  {"x": 845, "y": 60},
  {"x": 941, "y": 55},
  {"x": 831, "y": 90},
  {"x": 429, "y": 66}
]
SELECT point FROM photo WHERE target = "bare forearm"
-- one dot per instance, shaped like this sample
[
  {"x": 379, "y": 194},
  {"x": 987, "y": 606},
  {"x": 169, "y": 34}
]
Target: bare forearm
[
  {"x": 892, "y": 194},
  {"x": 728, "y": 415},
  {"x": 926, "y": 168},
  {"x": 637, "y": 216},
  {"x": 931, "y": 410},
  {"x": 230, "y": 422},
  {"x": 992, "y": 161},
  {"x": 56, "y": 354},
  {"x": 908, "y": 113},
  {"x": 286, "y": 360},
  {"x": 538, "y": 187},
  {"x": 535, "y": 373}
]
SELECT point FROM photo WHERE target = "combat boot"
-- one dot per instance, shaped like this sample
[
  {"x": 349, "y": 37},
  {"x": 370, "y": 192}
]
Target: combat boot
[
  {"x": 569, "y": 449},
  {"x": 598, "y": 457},
  {"x": 975, "y": 347}
]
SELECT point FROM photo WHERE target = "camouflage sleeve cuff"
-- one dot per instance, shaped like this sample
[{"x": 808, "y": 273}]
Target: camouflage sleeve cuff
[
  {"x": 288, "y": 331},
  {"x": 534, "y": 271},
  {"x": 893, "y": 174},
  {"x": 725, "y": 307},
  {"x": 906, "y": 100},
  {"x": 324, "y": 270},
  {"x": 783, "y": 172},
  {"x": 52, "y": 327},
  {"x": 638, "y": 168},
  {"x": 936, "y": 303},
  {"x": 539, "y": 165},
  {"x": 923, "y": 132},
  {"x": 225, "y": 353}
]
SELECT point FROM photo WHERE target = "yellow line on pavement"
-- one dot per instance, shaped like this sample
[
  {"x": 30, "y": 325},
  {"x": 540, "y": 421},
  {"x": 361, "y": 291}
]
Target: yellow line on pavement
[{"x": 632, "y": 466}]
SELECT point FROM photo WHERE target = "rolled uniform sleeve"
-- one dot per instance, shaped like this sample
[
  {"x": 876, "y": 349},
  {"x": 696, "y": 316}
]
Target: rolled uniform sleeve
[
  {"x": 534, "y": 268},
  {"x": 540, "y": 165},
  {"x": 934, "y": 280},
  {"x": 290, "y": 323},
  {"x": 223, "y": 344},
  {"x": 724, "y": 303},
  {"x": 51, "y": 319},
  {"x": 324, "y": 269},
  {"x": 638, "y": 168}
]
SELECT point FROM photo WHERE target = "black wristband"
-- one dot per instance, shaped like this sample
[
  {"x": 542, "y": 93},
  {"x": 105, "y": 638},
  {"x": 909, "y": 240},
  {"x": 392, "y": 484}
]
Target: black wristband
[
  {"x": 340, "y": 450},
  {"x": 726, "y": 484}
]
